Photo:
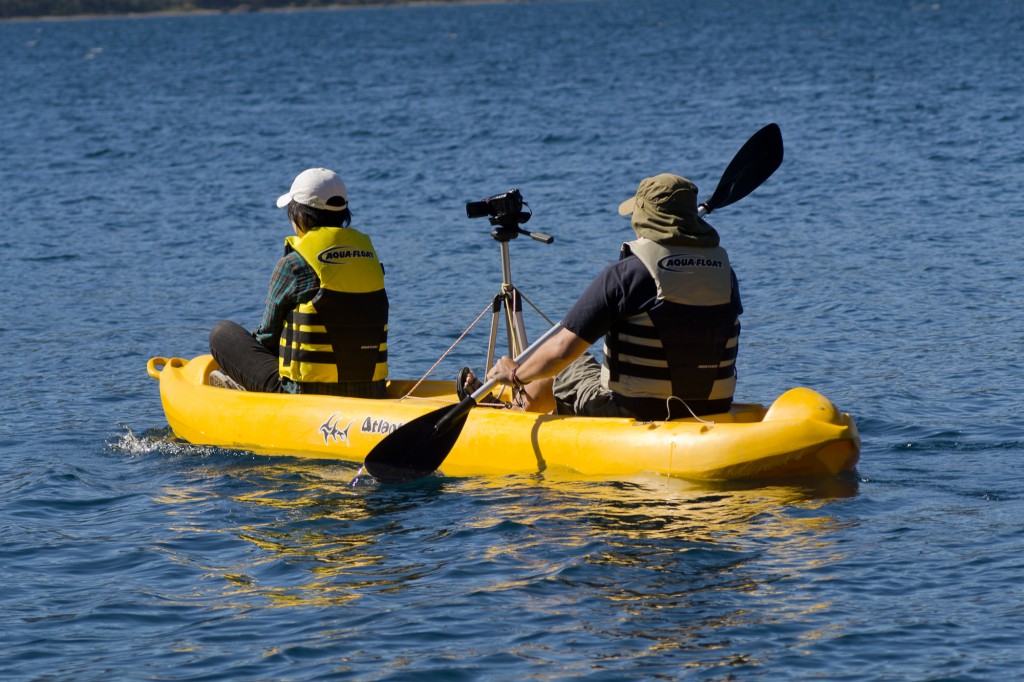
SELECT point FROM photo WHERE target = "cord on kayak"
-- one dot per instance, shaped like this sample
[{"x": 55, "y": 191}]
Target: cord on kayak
[
  {"x": 445, "y": 354},
  {"x": 668, "y": 410}
]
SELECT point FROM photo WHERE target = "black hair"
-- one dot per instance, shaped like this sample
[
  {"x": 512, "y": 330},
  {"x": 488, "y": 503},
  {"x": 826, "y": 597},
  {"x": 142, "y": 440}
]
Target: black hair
[{"x": 309, "y": 218}]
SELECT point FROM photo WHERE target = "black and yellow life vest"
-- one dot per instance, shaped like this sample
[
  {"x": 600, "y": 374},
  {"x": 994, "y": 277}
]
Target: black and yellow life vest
[
  {"x": 341, "y": 334},
  {"x": 685, "y": 346}
]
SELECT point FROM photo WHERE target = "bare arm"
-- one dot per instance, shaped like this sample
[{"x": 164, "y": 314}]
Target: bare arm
[{"x": 549, "y": 359}]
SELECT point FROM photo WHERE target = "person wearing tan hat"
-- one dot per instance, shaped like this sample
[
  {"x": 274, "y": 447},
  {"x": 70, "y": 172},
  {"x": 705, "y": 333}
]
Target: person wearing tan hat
[
  {"x": 325, "y": 323},
  {"x": 668, "y": 310}
]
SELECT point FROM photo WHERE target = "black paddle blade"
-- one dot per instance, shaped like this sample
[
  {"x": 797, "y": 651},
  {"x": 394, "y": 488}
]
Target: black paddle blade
[
  {"x": 753, "y": 164},
  {"x": 418, "y": 448}
]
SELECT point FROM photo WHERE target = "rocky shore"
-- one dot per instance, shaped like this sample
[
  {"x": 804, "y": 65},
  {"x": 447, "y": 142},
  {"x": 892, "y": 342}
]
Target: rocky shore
[{"x": 66, "y": 9}]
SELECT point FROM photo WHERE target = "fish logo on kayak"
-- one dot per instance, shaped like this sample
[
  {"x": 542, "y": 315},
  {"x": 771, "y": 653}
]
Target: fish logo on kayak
[
  {"x": 682, "y": 261},
  {"x": 330, "y": 430}
]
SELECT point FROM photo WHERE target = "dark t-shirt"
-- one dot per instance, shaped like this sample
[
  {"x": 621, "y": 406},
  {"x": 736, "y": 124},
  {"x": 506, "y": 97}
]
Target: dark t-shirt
[{"x": 622, "y": 289}]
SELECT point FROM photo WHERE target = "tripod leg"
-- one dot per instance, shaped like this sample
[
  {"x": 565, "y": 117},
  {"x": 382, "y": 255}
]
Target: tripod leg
[
  {"x": 492, "y": 342},
  {"x": 514, "y": 325}
]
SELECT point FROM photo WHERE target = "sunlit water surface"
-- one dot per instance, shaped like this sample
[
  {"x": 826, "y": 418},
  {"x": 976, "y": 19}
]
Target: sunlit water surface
[{"x": 880, "y": 265}]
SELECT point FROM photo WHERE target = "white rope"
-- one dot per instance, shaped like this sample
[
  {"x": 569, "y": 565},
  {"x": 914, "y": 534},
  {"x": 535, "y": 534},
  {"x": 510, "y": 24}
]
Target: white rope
[
  {"x": 428, "y": 399},
  {"x": 536, "y": 309},
  {"x": 445, "y": 354},
  {"x": 668, "y": 410}
]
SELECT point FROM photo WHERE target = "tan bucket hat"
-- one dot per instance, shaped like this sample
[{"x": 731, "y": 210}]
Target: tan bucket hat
[{"x": 664, "y": 209}]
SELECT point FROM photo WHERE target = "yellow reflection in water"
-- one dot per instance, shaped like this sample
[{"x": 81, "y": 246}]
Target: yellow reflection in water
[{"x": 323, "y": 541}]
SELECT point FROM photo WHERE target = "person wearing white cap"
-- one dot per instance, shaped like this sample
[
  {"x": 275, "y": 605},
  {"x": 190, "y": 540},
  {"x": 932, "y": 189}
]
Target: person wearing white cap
[
  {"x": 668, "y": 310},
  {"x": 325, "y": 323}
]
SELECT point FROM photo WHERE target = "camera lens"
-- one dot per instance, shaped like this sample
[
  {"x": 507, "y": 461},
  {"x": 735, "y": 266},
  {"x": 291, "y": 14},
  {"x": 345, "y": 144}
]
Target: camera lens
[{"x": 476, "y": 209}]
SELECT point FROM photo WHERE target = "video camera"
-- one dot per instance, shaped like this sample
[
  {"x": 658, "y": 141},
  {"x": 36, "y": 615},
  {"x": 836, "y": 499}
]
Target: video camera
[{"x": 503, "y": 208}]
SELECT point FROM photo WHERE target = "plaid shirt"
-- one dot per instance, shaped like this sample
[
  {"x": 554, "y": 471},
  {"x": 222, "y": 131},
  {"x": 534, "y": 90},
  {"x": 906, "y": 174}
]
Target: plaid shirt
[{"x": 294, "y": 281}]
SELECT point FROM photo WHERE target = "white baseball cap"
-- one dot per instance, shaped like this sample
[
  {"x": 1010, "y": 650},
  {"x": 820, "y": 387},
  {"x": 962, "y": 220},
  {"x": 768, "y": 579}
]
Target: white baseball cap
[{"x": 314, "y": 188}]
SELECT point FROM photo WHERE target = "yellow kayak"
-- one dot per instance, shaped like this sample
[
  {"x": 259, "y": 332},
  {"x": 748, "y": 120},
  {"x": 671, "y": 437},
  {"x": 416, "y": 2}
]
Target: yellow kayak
[{"x": 800, "y": 434}]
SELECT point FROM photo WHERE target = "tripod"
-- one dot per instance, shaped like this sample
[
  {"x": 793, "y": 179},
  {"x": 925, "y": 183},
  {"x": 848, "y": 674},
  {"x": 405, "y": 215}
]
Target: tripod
[{"x": 510, "y": 300}]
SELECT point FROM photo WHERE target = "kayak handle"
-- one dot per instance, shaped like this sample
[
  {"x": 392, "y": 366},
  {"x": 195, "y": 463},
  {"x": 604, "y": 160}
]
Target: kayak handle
[{"x": 156, "y": 365}]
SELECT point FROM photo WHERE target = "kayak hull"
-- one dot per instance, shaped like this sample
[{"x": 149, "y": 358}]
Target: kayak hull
[{"x": 800, "y": 434}]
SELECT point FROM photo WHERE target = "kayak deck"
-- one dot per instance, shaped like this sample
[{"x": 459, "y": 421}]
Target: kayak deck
[{"x": 801, "y": 434}]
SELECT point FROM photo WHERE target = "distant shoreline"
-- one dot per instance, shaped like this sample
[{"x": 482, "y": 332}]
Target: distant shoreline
[{"x": 243, "y": 8}]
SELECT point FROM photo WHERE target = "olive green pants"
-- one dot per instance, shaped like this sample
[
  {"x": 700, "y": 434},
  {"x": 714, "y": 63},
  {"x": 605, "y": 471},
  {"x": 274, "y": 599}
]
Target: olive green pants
[{"x": 578, "y": 391}]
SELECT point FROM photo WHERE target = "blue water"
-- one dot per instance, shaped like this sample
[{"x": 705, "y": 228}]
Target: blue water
[{"x": 879, "y": 265}]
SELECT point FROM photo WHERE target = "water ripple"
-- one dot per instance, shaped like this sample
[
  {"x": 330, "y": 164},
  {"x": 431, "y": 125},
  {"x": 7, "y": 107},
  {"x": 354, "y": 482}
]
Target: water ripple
[{"x": 878, "y": 265}]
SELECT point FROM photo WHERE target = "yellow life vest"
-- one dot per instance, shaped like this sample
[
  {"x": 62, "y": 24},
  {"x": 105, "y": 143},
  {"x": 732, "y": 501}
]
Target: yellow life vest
[{"x": 341, "y": 334}]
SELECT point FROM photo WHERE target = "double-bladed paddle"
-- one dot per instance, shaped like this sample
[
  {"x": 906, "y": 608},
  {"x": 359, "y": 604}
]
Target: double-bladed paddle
[{"x": 418, "y": 448}]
